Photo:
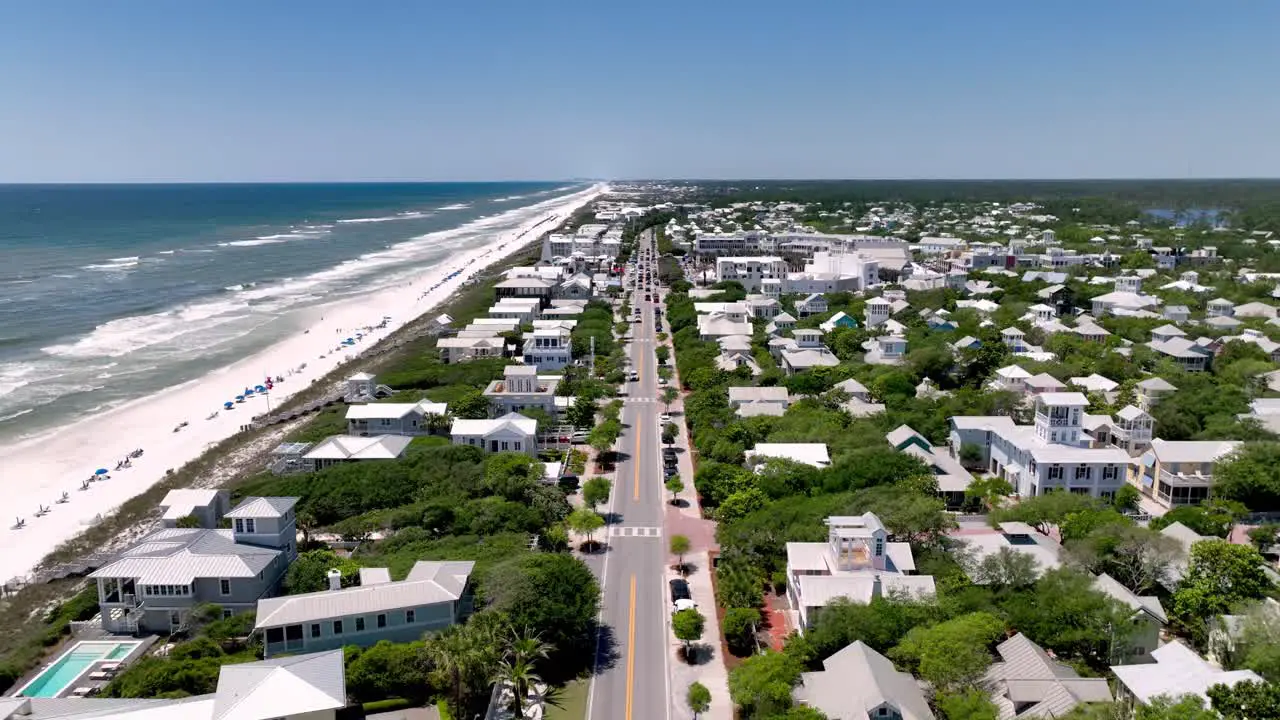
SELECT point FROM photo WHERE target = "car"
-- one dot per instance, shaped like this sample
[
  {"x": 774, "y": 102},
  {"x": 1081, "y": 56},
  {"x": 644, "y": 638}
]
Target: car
[
  {"x": 662, "y": 381},
  {"x": 664, "y": 418},
  {"x": 681, "y": 598},
  {"x": 635, "y": 376},
  {"x": 647, "y": 296}
]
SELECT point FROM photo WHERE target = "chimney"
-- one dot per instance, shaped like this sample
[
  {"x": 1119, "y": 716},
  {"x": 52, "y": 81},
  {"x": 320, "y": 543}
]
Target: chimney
[
  {"x": 876, "y": 587},
  {"x": 335, "y": 579}
]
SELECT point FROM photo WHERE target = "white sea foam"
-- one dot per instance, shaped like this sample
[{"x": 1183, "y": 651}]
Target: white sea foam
[
  {"x": 509, "y": 198},
  {"x": 456, "y": 206},
  {"x": 120, "y": 337},
  {"x": 388, "y": 218},
  {"x": 114, "y": 265},
  {"x": 18, "y": 414}
]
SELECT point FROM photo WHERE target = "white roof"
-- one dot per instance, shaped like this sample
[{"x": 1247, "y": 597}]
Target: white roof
[
  {"x": 179, "y": 556},
  {"x": 1177, "y": 670},
  {"x": 516, "y": 422},
  {"x": 1064, "y": 398},
  {"x": 180, "y": 503},
  {"x": 1192, "y": 451},
  {"x": 814, "y": 454},
  {"x": 279, "y": 687},
  {"x": 263, "y": 507},
  {"x": 353, "y": 447},
  {"x": 856, "y": 681},
  {"x": 772, "y": 393},
  {"x": 428, "y": 583},
  {"x": 394, "y": 411}
]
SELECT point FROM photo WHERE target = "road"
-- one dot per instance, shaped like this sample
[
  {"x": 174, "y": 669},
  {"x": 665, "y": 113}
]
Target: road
[{"x": 632, "y": 675}]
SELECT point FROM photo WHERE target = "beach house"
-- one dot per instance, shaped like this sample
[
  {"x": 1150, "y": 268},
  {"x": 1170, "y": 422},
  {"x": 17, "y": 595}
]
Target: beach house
[
  {"x": 813, "y": 304},
  {"x": 524, "y": 288},
  {"x": 977, "y": 541},
  {"x": 1177, "y": 670},
  {"x": 805, "y": 351},
  {"x": 354, "y": 448},
  {"x": 418, "y": 418},
  {"x": 548, "y": 348},
  {"x": 1179, "y": 472},
  {"x": 741, "y": 398},
  {"x": 1027, "y": 683},
  {"x": 153, "y": 585},
  {"x": 520, "y": 389},
  {"x": 856, "y": 562},
  {"x": 861, "y": 684},
  {"x": 1148, "y": 619},
  {"x": 952, "y": 478},
  {"x": 301, "y": 687},
  {"x": 511, "y": 432},
  {"x": 749, "y": 271},
  {"x": 434, "y": 596},
  {"x": 462, "y": 348},
  {"x": 204, "y": 507}
]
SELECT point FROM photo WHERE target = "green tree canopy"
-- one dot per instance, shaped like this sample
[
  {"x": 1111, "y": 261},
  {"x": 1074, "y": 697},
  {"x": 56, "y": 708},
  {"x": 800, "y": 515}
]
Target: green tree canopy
[{"x": 953, "y": 654}]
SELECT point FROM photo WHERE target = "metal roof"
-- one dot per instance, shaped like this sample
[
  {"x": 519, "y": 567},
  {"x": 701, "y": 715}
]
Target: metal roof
[
  {"x": 179, "y": 556},
  {"x": 428, "y": 583},
  {"x": 262, "y": 507},
  {"x": 279, "y": 687},
  {"x": 857, "y": 680}
]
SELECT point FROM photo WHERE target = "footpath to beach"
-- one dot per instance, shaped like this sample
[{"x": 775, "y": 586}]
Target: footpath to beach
[{"x": 37, "y": 472}]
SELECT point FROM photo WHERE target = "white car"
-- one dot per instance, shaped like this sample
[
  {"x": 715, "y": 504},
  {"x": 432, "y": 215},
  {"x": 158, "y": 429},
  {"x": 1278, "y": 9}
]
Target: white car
[{"x": 664, "y": 418}]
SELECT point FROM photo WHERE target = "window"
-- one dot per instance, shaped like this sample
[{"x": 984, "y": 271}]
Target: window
[
  {"x": 504, "y": 445},
  {"x": 359, "y": 624},
  {"x": 1083, "y": 472},
  {"x": 226, "y": 613},
  {"x": 275, "y": 635},
  {"x": 1110, "y": 472},
  {"x": 315, "y": 630},
  {"x": 337, "y": 627},
  {"x": 382, "y": 620},
  {"x": 249, "y": 526},
  {"x": 224, "y": 586},
  {"x": 409, "y": 617},
  {"x": 1055, "y": 472},
  {"x": 239, "y": 525},
  {"x": 515, "y": 445}
]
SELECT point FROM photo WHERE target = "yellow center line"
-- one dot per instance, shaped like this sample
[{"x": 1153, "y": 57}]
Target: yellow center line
[{"x": 631, "y": 645}]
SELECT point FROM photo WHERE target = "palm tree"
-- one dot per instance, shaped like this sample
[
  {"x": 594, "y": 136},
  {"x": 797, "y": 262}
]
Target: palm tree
[
  {"x": 519, "y": 674},
  {"x": 453, "y": 652},
  {"x": 527, "y": 645}
]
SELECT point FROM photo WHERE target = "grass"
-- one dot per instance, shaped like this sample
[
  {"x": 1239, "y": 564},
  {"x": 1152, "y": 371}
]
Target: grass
[{"x": 573, "y": 702}]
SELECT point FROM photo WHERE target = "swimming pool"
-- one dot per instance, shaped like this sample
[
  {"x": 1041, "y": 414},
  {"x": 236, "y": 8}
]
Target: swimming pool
[{"x": 59, "y": 675}]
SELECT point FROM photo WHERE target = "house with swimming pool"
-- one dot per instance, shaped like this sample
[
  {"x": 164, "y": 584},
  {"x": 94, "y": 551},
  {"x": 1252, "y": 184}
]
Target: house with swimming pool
[
  {"x": 434, "y": 596},
  {"x": 153, "y": 586}
]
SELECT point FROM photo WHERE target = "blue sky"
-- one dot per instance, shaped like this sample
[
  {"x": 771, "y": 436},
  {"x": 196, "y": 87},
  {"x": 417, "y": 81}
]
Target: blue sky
[{"x": 153, "y": 90}]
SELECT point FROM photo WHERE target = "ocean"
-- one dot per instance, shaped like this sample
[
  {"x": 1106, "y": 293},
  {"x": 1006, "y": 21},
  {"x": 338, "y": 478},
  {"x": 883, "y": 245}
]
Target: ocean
[{"x": 111, "y": 292}]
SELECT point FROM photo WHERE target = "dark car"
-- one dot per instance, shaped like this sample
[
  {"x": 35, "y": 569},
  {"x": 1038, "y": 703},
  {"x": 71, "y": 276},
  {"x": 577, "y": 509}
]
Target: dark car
[{"x": 681, "y": 598}]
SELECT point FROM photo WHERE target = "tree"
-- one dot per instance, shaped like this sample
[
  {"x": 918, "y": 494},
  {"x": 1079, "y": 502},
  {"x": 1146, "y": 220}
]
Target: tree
[
  {"x": 471, "y": 404},
  {"x": 688, "y": 625},
  {"x": 970, "y": 704},
  {"x": 553, "y": 596},
  {"x": 585, "y": 521},
  {"x": 582, "y": 414},
  {"x": 1256, "y": 646},
  {"x": 908, "y": 515},
  {"x": 739, "y": 627},
  {"x": 1247, "y": 700},
  {"x": 455, "y": 652},
  {"x": 1163, "y": 707},
  {"x": 389, "y": 670},
  {"x": 511, "y": 475},
  {"x": 761, "y": 685},
  {"x": 679, "y": 546},
  {"x": 595, "y": 492},
  {"x": 675, "y": 486},
  {"x": 1219, "y": 575},
  {"x": 988, "y": 492},
  {"x": 1064, "y": 613},
  {"x": 310, "y": 572},
  {"x": 971, "y": 455},
  {"x": 662, "y": 353},
  {"x": 1250, "y": 475},
  {"x": 740, "y": 504},
  {"x": 1006, "y": 568},
  {"x": 1264, "y": 535},
  {"x": 669, "y": 395},
  {"x": 951, "y": 655},
  {"x": 1203, "y": 519},
  {"x": 670, "y": 433},
  {"x": 1126, "y": 498},
  {"x": 518, "y": 672},
  {"x": 1138, "y": 558},
  {"x": 1045, "y": 511},
  {"x": 698, "y": 698},
  {"x": 1080, "y": 524}
]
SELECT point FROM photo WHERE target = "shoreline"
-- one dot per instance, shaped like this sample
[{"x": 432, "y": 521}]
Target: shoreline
[{"x": 39, "y": 470}]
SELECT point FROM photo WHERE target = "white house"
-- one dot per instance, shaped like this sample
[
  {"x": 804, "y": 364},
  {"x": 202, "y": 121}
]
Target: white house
[
  {"x": 511, "y": 432},
  {"x": 1177, "y": 671},
  {"x": 814, "y": 304},
  {"x": 354, "y": 448},
  {"x": 885, "y": 350},
  {"x": 877, "y": 311},
  {"x": 751, "y": 270},
  {"x": 814, "y": 454},
  {"x": 548, "y": 348},
  {"x": 861, "y": 684},
  {"x": 394, "y": 418},
  {"x": 522, "y": 388},
  {"x": 856, "y": 562}
]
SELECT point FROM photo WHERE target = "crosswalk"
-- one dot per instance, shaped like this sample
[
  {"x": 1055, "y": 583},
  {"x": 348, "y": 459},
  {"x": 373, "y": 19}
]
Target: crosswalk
[
  {"x": 639, "y": 400},
  {"x": 632, "y": 531}
]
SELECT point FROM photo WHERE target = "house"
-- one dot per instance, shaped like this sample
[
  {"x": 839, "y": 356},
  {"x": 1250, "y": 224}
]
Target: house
[
  {"x": 858, "y": 683},
  {"x": 1177, "y": 313},
  {"x": 520, "y": 389},
  {"x": 731, "y": 360},
  {"x": 461, "y": 349},
  {"x": 434, "y": 596},
  {"x": 814, "y": 304},
  {"x": 748, "y": 401},
  {"x": 814, "y": 454},
  {"x": 856, "y": 562},
  {"x": 952, "y": 478},
  {"x": 1255, "y": 310},
  {"x": 751, "y": 271},
  {"x": 1190, "y": 356},
  {"x": 527, "y": 288},
  {"x": 303, "y": 687},
  {"x": 207, "y": 507},
  {"x": 885, "y": 350},
  {"x": 394, "y": 418},
  {"x": 1027, "y": 683},
  {"x": 576, "y": 287},
  {"x": 154, "y": 584},
  {"x": 804, "y": 352},
  {"x": 522, "y": 310},
  {"x": 1180, "y": 472},
  {"x": 762, "y": 306},
  {"x": 1126, "y": 299},
  {"x": 353, "y": 448},
  {"x": 1011, "y": 378},
  {"x": 1053, "y": 453},
  {"x": 840, "y": 320},
  {"x": 1044, "y": 383},
  {"x": 1164, "y": 333},
  {"x": 1177, "y": 671},
  {"x": 364, "y": 387},
  {"x": 781, "y": 322},
  {"x": 968, "y": 342},
  {"x": 1094, "y": 383},
  {"x": 1220, "y": 307},
  {"x": 976, "y": 541},
  {"x": 511, "y": 432},
  {"x": 856, "y": 390},
  {"x": 877, "y": 311},
  {"x": 718, "y": 324},
  {"x": 1148, "y": 619},
  {"x": 548, "y": 348},
  {"x": 1014, "y": 339},
  {"x": 1149, "y": 391},
  {"x": 1060, "y": 297}
]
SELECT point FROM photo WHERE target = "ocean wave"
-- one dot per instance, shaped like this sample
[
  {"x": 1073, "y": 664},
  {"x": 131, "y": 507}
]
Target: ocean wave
[
  {"x": 123, "y": 336},
  {"x": 114, "y": 265},
  {"x": 20, "y": 413},
  {"x": 509, "y": 198},
  {"x": 414, "y": 215},
  {"x": 456, "y": 206}
]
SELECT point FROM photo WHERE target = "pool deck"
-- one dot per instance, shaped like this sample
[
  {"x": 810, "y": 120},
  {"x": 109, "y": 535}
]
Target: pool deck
[{"x": 82, "y": 680}]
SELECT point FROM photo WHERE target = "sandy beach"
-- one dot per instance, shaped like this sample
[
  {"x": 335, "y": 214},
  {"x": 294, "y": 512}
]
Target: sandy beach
[{"x": 37, "y": 472}]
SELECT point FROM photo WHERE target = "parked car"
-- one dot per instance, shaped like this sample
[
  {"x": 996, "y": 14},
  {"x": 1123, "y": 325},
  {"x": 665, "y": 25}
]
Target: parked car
[{"x": 681, "y": 598}]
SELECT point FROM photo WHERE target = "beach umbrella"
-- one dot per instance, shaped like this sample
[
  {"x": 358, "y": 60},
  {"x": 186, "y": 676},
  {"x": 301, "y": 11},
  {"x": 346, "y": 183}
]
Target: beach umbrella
[
  {"x": 259, "y": 388},
  {"x": 100, "y": 471},
  {"x": 228, "y": 405},
  {"x": 239, "y": 398}
]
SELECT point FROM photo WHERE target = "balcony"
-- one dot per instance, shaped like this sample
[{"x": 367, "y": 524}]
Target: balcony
[
  {"x": 1185, "y": 479},
  {"x": 126, "y": 599}
]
